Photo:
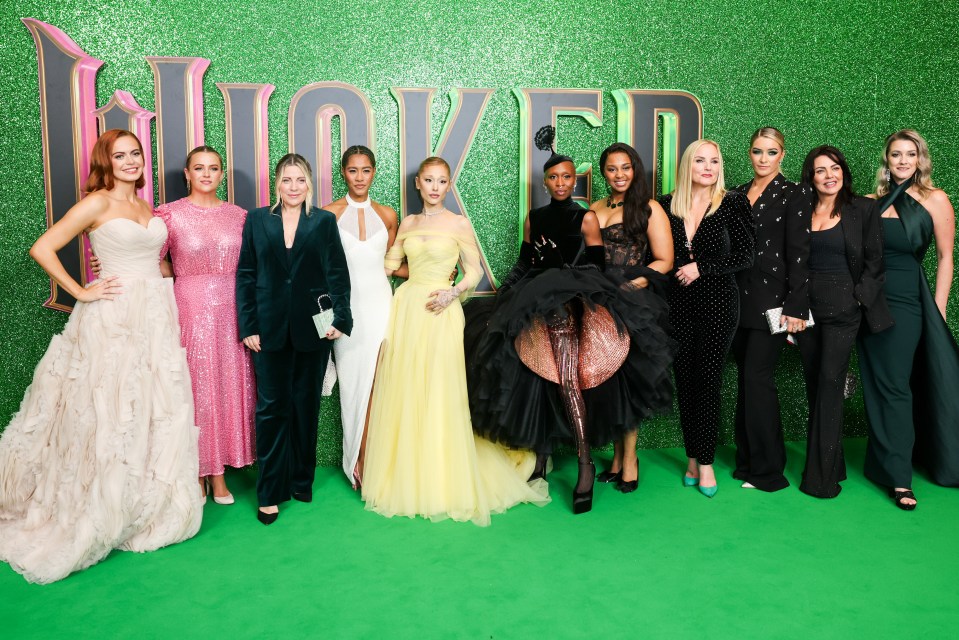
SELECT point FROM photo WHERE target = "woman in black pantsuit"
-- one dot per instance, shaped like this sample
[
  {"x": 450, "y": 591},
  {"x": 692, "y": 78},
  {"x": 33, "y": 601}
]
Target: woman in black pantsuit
[
  {"x": 291, "y": 257},
  {"x": 777, "y": 278},
  {"x": 845, "y": 289},
  {"x": 713, "y": 236}
]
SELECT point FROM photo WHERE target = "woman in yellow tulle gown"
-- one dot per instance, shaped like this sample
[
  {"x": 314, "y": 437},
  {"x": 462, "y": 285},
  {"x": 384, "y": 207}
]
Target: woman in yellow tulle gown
[{"x": 422, "y": 457}]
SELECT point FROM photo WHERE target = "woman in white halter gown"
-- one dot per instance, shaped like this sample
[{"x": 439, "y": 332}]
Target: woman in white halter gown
[{"x": 367, "y": 230}]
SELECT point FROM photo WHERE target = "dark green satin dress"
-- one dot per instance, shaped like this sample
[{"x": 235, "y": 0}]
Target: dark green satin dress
[{"x": 910, "y": 372}]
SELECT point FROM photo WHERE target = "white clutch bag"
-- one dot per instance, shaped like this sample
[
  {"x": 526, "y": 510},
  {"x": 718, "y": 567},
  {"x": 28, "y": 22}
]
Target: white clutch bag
[
  {"x": 324, "y": 319},
  {"x": 774, "y": 317}
]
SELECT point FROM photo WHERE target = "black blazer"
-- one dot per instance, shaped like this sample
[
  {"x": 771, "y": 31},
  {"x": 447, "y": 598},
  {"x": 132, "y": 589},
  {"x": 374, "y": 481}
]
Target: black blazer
[
  {"x": 779, "y": 276},
  {"x": 862, "y": 233},
  {"x": 276, "y": 295}
]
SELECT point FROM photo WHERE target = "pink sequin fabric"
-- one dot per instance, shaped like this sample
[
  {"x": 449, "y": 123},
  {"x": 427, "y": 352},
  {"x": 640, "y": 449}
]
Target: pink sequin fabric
[{"x": 205, "y": 248}]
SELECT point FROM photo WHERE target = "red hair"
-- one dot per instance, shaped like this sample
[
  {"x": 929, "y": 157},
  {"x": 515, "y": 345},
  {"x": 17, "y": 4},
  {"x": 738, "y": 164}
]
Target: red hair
[{"x": 101, "y": 165}]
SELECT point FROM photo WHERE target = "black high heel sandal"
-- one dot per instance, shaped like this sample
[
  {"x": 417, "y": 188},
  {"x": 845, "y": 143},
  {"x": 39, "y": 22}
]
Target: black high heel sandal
[
  {"x": 899, "y": 496},
  {"x": 539, "y": 471},
  {"x": 583, "y": 501}
]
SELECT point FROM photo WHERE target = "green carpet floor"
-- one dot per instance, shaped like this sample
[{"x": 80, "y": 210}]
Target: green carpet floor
[{"x": 664, "y": 562}]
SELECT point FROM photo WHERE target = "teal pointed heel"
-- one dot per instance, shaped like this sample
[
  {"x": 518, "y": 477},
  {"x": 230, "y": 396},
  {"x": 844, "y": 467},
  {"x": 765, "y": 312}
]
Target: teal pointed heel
[
  {"x": 709, "y": 492},
  {"x": 690, "y": 482}
]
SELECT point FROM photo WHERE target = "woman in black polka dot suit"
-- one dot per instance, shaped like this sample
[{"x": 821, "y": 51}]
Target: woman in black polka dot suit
[{"x": 713, "y": 237}]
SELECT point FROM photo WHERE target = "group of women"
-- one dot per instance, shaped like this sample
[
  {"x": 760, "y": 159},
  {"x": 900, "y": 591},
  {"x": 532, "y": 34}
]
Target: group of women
[{"x": 150, "y": 386}]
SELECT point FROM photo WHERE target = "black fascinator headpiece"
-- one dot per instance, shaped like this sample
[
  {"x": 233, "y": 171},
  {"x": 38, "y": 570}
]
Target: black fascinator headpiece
[{"x": 543, "y": 140}]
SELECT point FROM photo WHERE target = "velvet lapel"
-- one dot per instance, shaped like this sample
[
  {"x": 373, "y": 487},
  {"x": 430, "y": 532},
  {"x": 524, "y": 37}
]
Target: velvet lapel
[
  {"x": 303, "y": 230},
  {"x": 273, "y": 230}
]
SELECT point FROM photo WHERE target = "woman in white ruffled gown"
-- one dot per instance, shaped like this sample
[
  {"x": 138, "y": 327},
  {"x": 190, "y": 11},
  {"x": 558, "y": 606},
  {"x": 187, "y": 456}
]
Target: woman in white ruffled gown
[
  {"x": 367, "y": 230},
  {"x": 103, "y": 452}
]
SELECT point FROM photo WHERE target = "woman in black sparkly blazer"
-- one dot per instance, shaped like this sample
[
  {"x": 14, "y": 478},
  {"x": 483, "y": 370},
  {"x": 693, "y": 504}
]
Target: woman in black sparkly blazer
[
  {"x": 778, "y": 278},
  {"x": 713, "y": 238}
]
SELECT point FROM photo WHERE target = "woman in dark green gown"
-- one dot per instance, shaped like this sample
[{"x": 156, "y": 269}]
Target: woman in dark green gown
[{"x": 909, "y": 372}]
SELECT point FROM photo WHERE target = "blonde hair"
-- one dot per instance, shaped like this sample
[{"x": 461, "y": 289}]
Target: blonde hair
[
  {"x": 922, "y": 178},
  {"x": 683, "y": 194},
  {"x": 772, "y": 133},
  {"x": 298, "y": 161}
]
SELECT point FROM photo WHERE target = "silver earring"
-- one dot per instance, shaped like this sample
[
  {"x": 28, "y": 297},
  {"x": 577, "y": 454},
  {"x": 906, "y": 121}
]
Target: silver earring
[
  {"x": 886, "y": 174},
  {"x": 545, "y": 190}
]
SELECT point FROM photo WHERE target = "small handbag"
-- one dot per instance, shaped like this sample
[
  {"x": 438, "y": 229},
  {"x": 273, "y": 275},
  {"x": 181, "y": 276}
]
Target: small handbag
[
  {"x": 324, "y": 319},
  {"x": 774, "y": 318}
]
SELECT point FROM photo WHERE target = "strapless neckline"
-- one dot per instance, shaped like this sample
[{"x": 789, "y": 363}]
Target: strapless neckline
[{"x": 145, "y": 228}]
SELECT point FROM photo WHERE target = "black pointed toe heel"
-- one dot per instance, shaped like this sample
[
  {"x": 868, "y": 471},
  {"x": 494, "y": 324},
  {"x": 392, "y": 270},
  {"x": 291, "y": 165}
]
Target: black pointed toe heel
[
  {"x": 583, "y": 500},
  {"x": 266, "y": 518},
  {"x": 609, "y": 476}
]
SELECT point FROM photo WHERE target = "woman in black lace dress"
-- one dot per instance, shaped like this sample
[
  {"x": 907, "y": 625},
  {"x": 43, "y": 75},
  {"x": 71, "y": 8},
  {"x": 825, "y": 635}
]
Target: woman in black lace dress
[{"x": 639, "y": 252}]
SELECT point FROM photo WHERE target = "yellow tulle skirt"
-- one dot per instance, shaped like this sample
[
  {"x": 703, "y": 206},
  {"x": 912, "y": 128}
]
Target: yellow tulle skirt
[{"x": 422, "y": 458}]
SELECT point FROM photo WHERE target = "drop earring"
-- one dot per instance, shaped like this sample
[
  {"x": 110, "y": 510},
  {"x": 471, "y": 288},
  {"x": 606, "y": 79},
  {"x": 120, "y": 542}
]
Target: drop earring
[{"x": 886, "y": 174}]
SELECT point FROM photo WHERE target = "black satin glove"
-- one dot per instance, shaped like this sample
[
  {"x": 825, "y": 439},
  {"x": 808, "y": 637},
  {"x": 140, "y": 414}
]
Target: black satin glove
[
  {"x": 523, "y": 264},
  {"x": 594, "y": 257}
]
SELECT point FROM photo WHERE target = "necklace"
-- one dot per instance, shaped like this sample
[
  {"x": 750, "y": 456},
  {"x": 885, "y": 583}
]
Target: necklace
[
  {"x": 612, "y": 205},
  {"x": 430, "y": 214}
]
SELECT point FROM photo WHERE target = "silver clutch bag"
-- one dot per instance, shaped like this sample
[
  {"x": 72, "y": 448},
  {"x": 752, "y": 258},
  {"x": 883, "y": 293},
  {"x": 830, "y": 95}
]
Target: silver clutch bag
[
  {"x": 774, "y": 317},
  {"x": 324, "y": 319}
]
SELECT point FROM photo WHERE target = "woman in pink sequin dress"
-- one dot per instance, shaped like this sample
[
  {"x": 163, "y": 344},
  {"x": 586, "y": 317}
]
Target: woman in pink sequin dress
[{"x": 204, "y": 247}]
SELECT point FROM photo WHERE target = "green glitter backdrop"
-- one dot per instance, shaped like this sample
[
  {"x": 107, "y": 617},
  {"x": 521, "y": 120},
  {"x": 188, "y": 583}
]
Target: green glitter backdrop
[{"x": 823, "y": 72}]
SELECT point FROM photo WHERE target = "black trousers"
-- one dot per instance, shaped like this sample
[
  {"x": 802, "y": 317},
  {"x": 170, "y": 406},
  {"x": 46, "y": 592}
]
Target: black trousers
[
  {"x": 704, "y": 316},
  {"x": 288, "y": 389},
  {"x": 825, "y": 349},
  {"x": 760, "y": 447}
]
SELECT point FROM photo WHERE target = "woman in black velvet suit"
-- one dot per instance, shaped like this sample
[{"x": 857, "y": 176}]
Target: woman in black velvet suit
[
  {"x": 291, "y": 256},
  {"x": 713, "y": 237},
  {"x": 845, "y": 291},
  {"x": 777, "y": 278}
]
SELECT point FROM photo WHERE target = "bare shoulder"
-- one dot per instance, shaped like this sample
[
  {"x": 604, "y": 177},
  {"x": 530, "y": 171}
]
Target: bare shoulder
[
  {"x": 98, "y": 202},
  {"x": 409, "y": 222},
  {"x": 90, "y": 211},
  {"x": 656, "y": 209},
  {"x": 463, "y": 222},
  {"x": 937, "y": 197},
  {"x": 337, "y": 207},
  {"x": 386, "y": 214},
  {"x": 939, "y": 205}
]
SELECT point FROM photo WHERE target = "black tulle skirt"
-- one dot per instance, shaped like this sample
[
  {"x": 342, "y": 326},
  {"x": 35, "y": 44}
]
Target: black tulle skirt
[{"x": 514, "y": 406}]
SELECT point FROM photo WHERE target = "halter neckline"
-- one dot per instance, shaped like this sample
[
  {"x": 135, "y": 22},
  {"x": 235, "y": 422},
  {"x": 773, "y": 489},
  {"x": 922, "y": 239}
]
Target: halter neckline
[{"x": 357, "y": 205}]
